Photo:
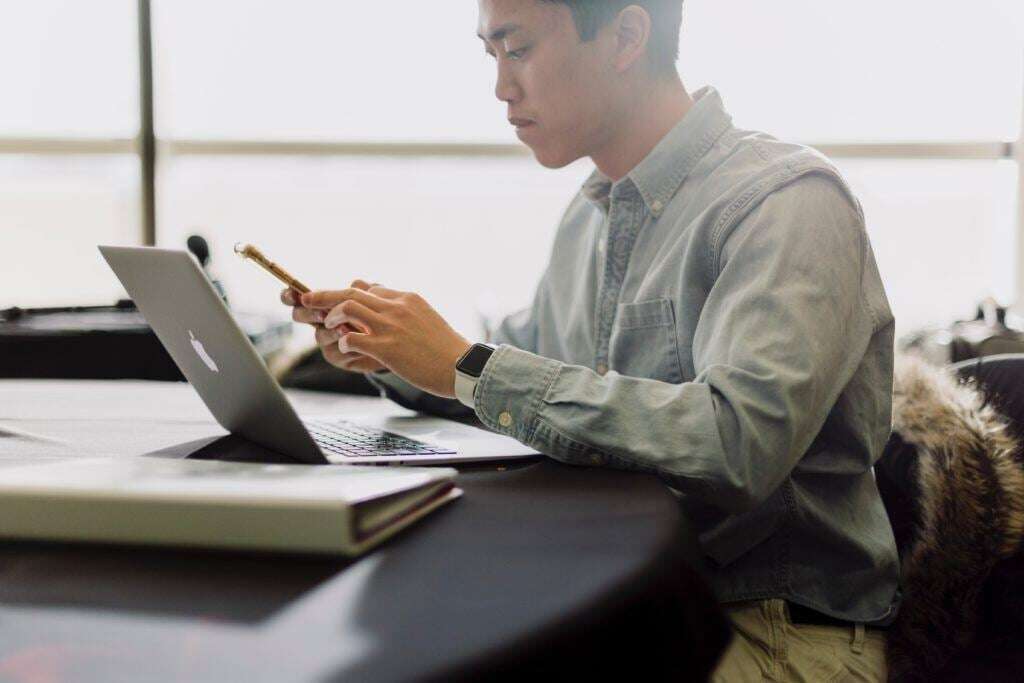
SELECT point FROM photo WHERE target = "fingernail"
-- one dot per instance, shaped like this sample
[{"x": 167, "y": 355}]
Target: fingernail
[
  {"x": 330, "y": 323},
  {"x": 306, "y": 299}
]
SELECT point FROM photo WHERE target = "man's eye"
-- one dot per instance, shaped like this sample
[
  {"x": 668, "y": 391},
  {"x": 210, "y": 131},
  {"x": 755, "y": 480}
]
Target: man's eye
[{"x": 517, "y": 54}]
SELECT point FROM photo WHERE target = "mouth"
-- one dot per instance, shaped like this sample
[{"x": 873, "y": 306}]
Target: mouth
[{"x": 524, "y": 127}]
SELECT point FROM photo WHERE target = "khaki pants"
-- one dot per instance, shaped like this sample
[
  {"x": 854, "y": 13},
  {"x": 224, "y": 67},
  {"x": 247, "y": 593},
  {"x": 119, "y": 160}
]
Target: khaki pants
[{"x": 767, "y": 646}]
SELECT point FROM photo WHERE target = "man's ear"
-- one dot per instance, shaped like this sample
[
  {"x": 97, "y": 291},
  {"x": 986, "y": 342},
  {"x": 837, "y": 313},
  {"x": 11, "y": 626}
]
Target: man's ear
[{"x": 632, "y": 33}]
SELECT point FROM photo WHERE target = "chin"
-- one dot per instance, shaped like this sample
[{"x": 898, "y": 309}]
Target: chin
[{"x": 551, "y": 158}]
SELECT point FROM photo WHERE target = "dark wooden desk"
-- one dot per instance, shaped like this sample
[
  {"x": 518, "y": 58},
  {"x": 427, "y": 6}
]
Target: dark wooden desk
[{"x": 541, "y": 568}]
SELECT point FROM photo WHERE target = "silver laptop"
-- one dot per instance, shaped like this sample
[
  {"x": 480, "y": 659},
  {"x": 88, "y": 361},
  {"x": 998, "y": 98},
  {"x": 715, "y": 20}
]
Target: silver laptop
[{"x": 220, "y": 362}]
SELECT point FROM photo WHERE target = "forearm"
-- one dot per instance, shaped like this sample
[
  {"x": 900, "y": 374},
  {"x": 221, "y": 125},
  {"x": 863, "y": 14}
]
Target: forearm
[
  {"x": 574, "y": 415},
  {"x": 729, "y": 437}
]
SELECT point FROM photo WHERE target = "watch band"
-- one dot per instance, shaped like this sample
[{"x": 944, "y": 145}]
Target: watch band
[
  {"x": 467, "y": 373},
  {"x": 465, "y": 389}
]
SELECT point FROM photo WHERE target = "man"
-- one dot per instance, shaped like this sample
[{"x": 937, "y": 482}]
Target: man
[{"x": 712, "y": 313}]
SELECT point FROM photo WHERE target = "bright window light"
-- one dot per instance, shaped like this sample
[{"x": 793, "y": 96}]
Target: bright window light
[
  {"x": 54, "y": 210},
  {"x": 944, "y": 232},
  {"x": 871, "y": 70},
  {"x": 324, "y": 69},
  {"x": 68, "y": 68},
  {"x": 412, "y": 70}
]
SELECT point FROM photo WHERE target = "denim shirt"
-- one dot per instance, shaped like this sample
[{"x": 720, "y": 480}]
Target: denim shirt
[{"x": 716, "y": 317}]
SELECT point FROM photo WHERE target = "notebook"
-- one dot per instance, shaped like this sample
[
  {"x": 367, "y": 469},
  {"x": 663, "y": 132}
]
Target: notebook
[{"x": 211, "y": 504}]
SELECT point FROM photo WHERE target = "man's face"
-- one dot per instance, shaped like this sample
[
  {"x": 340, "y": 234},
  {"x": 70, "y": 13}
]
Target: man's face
[{"x": 559, "y": 90}]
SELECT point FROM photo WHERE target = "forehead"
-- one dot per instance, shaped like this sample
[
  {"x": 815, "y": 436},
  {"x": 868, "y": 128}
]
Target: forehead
[{"x": 504, "y": 17}]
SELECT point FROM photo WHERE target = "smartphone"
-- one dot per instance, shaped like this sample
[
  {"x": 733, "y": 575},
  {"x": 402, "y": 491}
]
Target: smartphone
[{"x": 251, "y": 252}]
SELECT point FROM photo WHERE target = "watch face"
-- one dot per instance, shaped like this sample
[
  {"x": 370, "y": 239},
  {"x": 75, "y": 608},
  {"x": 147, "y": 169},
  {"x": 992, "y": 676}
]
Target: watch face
[{"x": 475, "y": 359}]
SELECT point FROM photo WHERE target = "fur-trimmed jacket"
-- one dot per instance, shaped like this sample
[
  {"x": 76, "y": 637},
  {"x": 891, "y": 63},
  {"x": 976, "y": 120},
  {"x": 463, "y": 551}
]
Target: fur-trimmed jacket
[{"x": 952, "y": 479}]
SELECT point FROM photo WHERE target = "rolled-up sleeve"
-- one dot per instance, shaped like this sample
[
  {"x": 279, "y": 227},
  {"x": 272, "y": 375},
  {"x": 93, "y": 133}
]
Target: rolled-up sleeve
[{"x": 784, "y": 327}]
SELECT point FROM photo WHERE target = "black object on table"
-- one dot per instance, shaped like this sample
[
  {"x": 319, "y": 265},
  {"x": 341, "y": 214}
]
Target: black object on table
[
  {"x": 104, "y": 342},
  {"x": 539, "y": 569}
]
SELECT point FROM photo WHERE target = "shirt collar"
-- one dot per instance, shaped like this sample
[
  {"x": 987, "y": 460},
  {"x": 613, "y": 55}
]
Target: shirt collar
[{"x": 663, "y": 170}]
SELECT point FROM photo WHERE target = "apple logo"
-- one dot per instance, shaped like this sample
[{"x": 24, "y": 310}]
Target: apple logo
[{"x": 201, "y": 352}]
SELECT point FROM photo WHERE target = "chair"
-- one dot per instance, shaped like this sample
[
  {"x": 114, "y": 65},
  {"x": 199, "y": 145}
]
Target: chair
[{"x": 952, "y": 480}]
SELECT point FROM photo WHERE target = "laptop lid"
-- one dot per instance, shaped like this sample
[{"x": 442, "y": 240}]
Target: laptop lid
[{"x": 217, "y": 358}]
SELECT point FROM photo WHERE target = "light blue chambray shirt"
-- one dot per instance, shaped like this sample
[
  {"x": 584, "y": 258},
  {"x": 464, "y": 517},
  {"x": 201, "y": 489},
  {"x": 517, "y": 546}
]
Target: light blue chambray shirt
[{"x": 716, "y": 317}]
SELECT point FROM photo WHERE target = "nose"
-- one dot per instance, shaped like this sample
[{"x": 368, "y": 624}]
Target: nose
[{"x": 506, "y": 89}]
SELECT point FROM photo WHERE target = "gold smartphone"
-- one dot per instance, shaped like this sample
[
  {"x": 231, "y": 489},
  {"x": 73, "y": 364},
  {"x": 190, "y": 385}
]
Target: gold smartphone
[{"x": 252, "y": 253}]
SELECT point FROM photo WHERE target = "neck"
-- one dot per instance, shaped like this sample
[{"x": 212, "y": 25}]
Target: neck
[{"x": 652, "y": 111}]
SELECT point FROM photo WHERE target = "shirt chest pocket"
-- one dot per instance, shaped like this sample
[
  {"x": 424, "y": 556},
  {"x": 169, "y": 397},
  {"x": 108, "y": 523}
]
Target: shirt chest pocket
[{"x": 644, "y": 341}]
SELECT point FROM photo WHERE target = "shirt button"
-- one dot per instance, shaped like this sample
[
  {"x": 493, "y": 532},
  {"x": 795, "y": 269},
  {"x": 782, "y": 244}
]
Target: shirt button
[
  {"x": 602, "y": 369},
  {"x": 657, "y": 206},
  {"x": 596, "y": 458},
  {"x": 505, "y": 419},
  {"x": 600, "y": 246}
]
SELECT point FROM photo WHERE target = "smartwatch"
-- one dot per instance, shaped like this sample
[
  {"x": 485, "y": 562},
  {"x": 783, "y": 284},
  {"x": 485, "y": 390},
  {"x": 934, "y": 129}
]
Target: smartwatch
[{"x": 468, "y": 371}]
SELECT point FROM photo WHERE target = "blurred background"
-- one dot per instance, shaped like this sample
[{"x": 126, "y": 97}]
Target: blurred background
[{"x": 364, "y": 140}]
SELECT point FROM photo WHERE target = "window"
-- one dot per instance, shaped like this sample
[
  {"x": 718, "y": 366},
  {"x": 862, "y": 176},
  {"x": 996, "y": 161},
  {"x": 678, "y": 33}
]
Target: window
[
  {"x": 943, "y": 233},
  {"x": 872, "y": 70},
  {"x": 277, "y": 124},
  {"x": 68, "y": 177},
  {"x": 324, "y": 70},
  {"x": 68, "y": 69},
  {"x": 402, "y": 222}
]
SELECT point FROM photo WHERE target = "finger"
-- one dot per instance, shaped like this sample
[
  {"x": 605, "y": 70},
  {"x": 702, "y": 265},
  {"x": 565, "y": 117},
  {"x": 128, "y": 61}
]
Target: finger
[
  {"x": 331, "y": 298},
  {"x": 326, "y": 337},
  {"x": 301, "y": 314},
  {"x": 351, "y": 327},
  {"x": 332, "y": 354},
  {"x": 355, "y": 362},
  {"x": 377, "y": 288},
  {"x": 384, "y": 292},
  {"x": 354, "y": 313},
  {"x": 289, "y": 297},
  {"x": 357, "y": 342}
]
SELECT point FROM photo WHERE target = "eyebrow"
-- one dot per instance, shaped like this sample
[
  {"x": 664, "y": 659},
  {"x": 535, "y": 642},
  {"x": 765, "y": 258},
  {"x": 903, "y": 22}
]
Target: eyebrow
[{"x": 500, "y": 32}]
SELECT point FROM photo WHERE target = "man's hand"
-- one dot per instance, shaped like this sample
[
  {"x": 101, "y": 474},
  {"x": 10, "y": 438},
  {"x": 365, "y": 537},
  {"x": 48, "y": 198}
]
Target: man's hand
[
  {"x": 398, "y": 330},
  {"x": 326, "y": 339}
]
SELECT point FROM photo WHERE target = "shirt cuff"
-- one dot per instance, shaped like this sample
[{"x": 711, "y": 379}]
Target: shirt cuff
[{"x": 510, "y": 390}]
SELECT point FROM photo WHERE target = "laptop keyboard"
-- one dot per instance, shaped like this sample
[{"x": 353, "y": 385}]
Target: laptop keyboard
[{"x": 352, "y": 441}]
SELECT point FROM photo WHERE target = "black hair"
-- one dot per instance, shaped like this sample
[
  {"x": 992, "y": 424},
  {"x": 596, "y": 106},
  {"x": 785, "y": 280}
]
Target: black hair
[{"x": 666, "y": 18}]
